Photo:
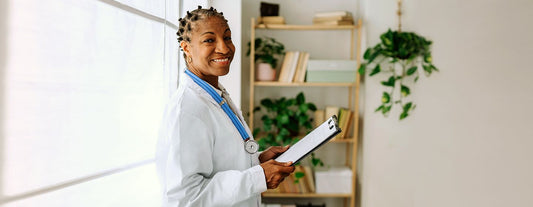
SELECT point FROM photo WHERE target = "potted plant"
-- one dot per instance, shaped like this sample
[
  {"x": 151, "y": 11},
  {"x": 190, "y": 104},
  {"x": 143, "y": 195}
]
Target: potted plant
[
  {"x": 283, "y": 120},
  {"x": 400, "y": 55},
  {"x": 267, "y": 51}
]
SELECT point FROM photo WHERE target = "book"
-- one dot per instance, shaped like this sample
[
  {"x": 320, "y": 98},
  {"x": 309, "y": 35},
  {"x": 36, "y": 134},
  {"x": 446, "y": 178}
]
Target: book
[
  {"x": 334, "y": 71},
  {"x": 331, "y": 110},
  {"x": 271, "y": 20},
  {"x": 332, "y": 13},
  {"x": 335, "y": 22},
  {"x": 309, "y": 179},
  {"x": 332, "y": 18},
  {"x": 319, "y": 118},
  {"x": 299, "y": 76},
  {"x": 284, "y": 70},
  {"x": 344, "y": 118},
  {"x": 334, "y": 65},
  {"x": 292, "y": 67},
  {"x": 349, "y": 125}
]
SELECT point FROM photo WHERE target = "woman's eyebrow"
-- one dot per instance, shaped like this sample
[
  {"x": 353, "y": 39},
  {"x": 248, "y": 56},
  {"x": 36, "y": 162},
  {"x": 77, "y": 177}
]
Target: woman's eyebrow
[{"x": 207, "y": 33}]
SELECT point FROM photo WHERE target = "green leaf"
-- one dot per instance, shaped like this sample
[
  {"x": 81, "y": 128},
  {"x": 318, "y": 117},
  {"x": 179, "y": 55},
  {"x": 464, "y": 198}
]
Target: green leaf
[
  {"x": 427, "y": 68},
  {"x": 389, "y": 82},
  {"x": 386, "y": 109},
  {"x": 379, "y": 108},
  {"x": 283, "y": 118},
  {"x": 403, "y": 116},
  {"x": 434, "y": 68},
  {"x": 267, "y": 103},
  {"x": 311, "y": 106},
  {"x": 375, "y": 54},
  {"x": 362, "y": 68},
  {"x": 299, "y": 174},
  {"x": 407, "y": 106},
  {"x": 376, "y": 70},
  {"x": 303, "y": 108},
  {"x": 427, "y": 58},
  {"x": 385, "y": 98},
  {"x": 416, "y": 79},
  {"x": 300, "y": 98},
  {"x": 405, "y": 91},
  {"x": 411, "y": 70},
  {"x": 367, "y": 53}
]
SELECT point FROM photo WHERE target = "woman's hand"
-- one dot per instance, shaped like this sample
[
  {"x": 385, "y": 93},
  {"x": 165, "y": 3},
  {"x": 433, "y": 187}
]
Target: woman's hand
[
  {"x": 271, "y": 153},
  {"x": 275, "y": 172}
]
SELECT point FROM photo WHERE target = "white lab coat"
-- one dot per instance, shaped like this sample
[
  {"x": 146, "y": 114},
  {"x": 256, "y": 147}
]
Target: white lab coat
[{"x": 201, "y": 159}]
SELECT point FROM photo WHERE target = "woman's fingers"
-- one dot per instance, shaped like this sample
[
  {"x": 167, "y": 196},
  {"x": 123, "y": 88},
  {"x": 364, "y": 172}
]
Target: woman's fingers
[
  {"x": 272, "y": 152},
  {"x": 275, "y": 172}
]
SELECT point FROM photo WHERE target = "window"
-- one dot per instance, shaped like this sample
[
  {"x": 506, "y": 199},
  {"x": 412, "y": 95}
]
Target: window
[{"x": 83, "y": 90}]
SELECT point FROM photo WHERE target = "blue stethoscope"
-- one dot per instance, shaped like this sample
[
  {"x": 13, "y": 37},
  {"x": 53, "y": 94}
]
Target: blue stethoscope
[{"x": 250, "y": 145}]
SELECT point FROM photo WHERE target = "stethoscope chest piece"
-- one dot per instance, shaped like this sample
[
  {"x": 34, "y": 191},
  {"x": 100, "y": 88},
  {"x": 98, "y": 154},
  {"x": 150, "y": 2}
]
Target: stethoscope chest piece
[{"x": 251, "y": 146}]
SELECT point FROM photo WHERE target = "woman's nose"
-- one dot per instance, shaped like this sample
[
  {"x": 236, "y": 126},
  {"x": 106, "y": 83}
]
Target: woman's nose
[{"x": 222, "y": 47}]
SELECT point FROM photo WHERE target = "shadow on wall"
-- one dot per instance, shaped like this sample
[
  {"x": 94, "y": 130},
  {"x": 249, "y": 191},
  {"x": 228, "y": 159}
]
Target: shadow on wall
[{"x": 3, "y": 65}]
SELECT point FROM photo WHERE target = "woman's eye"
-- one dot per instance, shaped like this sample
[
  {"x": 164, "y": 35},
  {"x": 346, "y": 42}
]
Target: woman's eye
[
  {"x": 209, "y": 40},
  {"x": 227, "y": 38}
]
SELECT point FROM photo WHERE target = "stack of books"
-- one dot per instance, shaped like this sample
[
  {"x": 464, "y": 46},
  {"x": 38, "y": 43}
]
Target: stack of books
[
  {"x": 344, "y": 115},
  {"x": 294, "y": 67},
  {"x": 333, "y": 18},
  {"x": 271, "y": 20},
  {"x": 331, "y": 71}
]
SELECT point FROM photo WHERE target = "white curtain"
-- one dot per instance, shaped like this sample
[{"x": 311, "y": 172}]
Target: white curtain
[{"x": 84, "y": 85}]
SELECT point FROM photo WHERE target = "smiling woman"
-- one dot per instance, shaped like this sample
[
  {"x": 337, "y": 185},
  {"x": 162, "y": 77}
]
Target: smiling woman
[{"x": 206, "y": 154}]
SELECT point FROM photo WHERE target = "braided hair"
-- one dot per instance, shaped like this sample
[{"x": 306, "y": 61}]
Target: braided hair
[{"x": 186, "y": 23}]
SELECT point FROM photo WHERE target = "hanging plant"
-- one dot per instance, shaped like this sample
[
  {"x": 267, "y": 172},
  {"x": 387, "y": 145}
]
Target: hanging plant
[{"x": 401, "y": 55}]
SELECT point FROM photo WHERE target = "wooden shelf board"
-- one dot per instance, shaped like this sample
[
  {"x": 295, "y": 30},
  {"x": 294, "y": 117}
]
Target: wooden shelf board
[
  {"x": 306, "y": 27},
  {"x": 345, "y": 140},
  {"x": 305, "y": 195},
  {"x": 280, "y": 84}
]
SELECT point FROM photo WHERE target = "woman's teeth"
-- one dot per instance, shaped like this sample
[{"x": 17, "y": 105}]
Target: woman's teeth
[{"x": 221, "y": 60}]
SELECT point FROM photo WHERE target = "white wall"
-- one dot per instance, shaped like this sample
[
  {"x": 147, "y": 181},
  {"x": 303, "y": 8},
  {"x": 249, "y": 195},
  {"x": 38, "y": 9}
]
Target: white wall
[
  {"x": 231, "y": 9},
  {"x": 467, "y": 143}
]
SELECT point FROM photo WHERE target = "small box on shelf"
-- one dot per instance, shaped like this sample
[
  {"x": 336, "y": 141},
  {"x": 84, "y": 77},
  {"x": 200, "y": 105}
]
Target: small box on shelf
[
  {"x": 332, "y": 71},
  {"x": 334, "y": 180}
]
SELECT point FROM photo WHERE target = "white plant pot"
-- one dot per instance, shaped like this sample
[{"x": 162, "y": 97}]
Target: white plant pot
[{"x": 264, "y": 72}]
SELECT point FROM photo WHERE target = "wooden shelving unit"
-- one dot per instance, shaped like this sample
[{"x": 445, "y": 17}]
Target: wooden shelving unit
[{"x": 353, "y": 99}]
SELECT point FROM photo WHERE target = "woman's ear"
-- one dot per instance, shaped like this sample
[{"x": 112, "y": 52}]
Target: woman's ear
[{"x": 185, "y": 46}]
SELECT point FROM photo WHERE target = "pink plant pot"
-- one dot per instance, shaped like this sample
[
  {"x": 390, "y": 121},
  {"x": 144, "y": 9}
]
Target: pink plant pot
[{"x": 264, "y": 72}]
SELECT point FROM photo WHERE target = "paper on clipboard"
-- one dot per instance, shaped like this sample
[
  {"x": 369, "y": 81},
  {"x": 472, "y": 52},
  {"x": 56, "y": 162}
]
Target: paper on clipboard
[{"x": 311, "y": 141}]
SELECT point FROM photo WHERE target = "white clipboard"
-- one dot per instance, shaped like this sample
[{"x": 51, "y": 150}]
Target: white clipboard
[{"x": 311, "y": 141}]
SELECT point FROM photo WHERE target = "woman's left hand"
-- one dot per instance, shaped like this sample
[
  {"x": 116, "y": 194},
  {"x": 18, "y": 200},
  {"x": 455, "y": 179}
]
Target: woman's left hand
[{"x": 271, "y": 153}]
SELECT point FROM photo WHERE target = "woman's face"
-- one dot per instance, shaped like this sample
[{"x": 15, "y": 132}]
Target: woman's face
[{"x": 210, "y": 49}]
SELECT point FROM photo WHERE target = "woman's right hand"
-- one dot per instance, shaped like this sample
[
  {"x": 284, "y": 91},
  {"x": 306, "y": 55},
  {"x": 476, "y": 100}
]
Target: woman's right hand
[{"x": 275, "y": 172}]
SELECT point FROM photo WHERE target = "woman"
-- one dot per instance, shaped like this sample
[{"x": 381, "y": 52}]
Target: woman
[{"x": 206, "y": 155}]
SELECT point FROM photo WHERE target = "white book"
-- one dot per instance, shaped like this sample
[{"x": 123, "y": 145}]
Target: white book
[
  {"x": 332, "y": 13},
  {"x": 293, "y": 66},
  {"x": 332, "y": 65}
]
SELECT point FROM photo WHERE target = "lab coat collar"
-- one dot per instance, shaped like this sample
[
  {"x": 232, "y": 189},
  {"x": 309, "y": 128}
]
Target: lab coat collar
[{"x": 189, "y": 82}]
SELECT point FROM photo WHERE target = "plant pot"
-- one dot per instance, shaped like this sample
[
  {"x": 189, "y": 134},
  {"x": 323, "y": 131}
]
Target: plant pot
[{"x": 265, "y": 72}]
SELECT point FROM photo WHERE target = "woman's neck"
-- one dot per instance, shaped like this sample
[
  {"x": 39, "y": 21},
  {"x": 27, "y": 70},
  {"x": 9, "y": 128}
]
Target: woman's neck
[{"x": 212, "y": 80}]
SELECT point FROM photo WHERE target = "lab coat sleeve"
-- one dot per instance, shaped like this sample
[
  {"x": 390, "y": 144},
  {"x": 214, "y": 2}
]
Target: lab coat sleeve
[{"x": 189, "y": 175}]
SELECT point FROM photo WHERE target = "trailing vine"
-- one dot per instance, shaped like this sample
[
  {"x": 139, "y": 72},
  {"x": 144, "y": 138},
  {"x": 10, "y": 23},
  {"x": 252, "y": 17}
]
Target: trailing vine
[{"x": 400, "y": 55}]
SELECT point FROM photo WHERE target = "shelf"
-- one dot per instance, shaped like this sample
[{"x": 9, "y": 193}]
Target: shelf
[
  {"x": 305, "y": 195},
  {"x": 345, "y": 140},
  {"x": 280, "y": 84},
  {"x": 306, "y": 27}
]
